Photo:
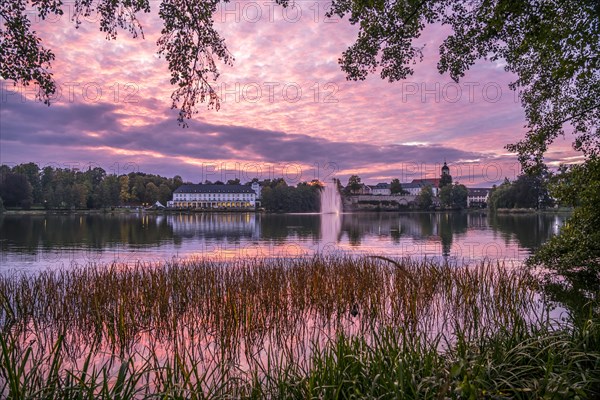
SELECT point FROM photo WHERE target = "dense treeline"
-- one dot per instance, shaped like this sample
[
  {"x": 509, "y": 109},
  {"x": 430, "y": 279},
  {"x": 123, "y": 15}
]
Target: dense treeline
[
  {"x": 453, "y": 196},
  {"x": 27, "y": 185},
  {"x": 277, "y": 196},
  {"x": 527, "y": 191}
]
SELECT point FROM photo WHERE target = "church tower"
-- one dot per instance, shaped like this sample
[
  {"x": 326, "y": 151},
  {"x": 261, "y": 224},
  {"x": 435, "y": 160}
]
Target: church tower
[
  {"x": 445, "y": 169},
  {"x": 445, "y": 178}
]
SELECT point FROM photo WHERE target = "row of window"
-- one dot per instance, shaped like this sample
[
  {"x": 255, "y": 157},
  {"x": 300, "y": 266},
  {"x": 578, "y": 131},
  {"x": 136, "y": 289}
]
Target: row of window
[
  {"x": 206, "y": 196},
  {"x": 216, "y": 204}
]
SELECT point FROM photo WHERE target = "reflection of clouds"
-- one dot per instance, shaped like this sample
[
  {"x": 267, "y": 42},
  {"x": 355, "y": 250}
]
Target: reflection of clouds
[{"x": 463, "y": 237}]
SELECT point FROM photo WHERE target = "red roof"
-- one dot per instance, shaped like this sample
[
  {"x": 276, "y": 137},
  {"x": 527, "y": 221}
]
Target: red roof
[{"x": 435, "y": 182}]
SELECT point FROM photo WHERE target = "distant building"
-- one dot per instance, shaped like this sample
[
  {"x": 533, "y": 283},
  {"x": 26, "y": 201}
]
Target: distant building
[
  {"x": 413, "y": 189},
  {"x": 478, "y": 197},
  {"x": 215, "y": 196},
  {"x": 433, "y": 182},
  {"x": 381, "y": 189},
  {"x": 364, "y": 189}
]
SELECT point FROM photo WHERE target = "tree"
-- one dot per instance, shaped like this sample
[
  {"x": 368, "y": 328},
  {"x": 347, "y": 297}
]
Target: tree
[
  {"x": 502, "y": 196},
  {"x": 459, "y": 195},
  {"x": 445, "y": 180},
  {"x": 283, "y": 198},
  {"x": 80, "y": 195},
  {"x": 396, "y": 187},
  {"x": 32, "y": 173},
  {"x": 446, "y": 196},
  {"x": 454, "y": 196},
  {"x": 110, "y": 191},
  {"x": 235, "y": 181},
  {"x": 152, "y": 192},
  {"x": 531, "y": 191},
  {"x": 15, "y": 190},
  {"x": 339, "y": 185},
  {"x": 425, "y": 198},
  {"x": 354, "y": 184},
  {"x": 528, "y": 191},
  {"x": 124, "y": 194},
  {"x": 164, "y": 193},
  {"x": 575, "y": 252},
  {"x": 177, "y": 181}
]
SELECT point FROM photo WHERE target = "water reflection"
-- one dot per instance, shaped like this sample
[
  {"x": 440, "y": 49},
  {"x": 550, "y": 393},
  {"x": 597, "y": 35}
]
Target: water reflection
[{"x": 54, "y": 240}]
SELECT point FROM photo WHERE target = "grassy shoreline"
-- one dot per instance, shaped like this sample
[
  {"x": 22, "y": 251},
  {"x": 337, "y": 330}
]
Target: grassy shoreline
[{"x": 321, "y": 327}]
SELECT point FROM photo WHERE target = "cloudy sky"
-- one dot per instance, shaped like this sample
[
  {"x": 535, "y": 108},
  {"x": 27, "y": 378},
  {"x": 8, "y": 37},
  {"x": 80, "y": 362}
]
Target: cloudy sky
[{"x": 286, "y": 109}]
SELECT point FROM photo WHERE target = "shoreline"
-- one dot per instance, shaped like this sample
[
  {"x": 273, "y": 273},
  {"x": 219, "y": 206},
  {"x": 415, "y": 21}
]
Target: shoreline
[{"x": 121, "y": 211}]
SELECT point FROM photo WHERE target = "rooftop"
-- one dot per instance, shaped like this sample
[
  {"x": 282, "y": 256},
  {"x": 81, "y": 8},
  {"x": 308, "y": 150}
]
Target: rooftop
[
  {"x": 428, "y": 181},
  {"x": 478, "y": 191},
  {"x": 214, "y": 189}
]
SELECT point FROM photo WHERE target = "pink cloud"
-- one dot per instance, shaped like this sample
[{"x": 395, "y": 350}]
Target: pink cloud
[{"x": 285, "y": 79}]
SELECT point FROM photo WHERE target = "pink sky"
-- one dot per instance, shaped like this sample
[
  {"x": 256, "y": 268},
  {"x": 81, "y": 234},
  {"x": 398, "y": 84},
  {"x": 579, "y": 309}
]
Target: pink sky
[{"x": 114, "y": 108}]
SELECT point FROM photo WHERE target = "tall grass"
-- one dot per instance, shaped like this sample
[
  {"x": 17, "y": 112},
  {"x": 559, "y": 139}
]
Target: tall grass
[{"x": 322, "y": 327}]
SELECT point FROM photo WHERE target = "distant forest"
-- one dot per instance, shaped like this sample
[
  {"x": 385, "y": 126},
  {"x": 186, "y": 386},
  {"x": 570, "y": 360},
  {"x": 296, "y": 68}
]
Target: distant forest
[{"x": 27, "y": 186}]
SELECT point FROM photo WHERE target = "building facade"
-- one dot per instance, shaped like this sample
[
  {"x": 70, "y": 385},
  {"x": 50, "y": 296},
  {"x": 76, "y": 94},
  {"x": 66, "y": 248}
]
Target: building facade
[
  {"x": 478, "y": 197},
  {"x": 215, "y": 196},
  {"x": 413, "y": 189},
  {"x": 381, "y": 189}
]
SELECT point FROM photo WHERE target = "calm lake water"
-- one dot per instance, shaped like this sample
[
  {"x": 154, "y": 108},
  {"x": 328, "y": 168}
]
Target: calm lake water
[{"x": 35, "y": 242}]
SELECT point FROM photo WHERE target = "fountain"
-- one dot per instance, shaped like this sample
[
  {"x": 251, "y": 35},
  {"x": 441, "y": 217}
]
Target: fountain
[
  {"x": 331, "y": 221},
  {"x": 331, "y": 202}
]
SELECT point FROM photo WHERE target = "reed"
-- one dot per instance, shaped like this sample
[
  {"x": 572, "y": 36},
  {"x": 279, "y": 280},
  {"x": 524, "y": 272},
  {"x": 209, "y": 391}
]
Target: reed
[{"x": 319, "y": 327}]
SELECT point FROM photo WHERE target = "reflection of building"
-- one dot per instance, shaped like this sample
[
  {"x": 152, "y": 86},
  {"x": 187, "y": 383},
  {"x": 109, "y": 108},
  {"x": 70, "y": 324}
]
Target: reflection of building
[
  {"x": 477, "y": 197},
  {"x": 215, "y": 196},
  {"x": 215, "y": 225}
]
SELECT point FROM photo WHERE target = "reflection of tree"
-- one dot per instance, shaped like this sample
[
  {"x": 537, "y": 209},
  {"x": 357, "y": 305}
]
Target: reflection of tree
[
  {"x": 530, "y": 230},
  {"x": 415, "y": 225},
  {"x": 28, "y": 233},
  {"x": 396, "y": 234},
  {"x": 354, "y": 236},
  {"x": 426, "y": 224},
  {"x": 280, "y": 227},
  {"x": 449, "y": 224},
  {"x": 445, "y": 234}
]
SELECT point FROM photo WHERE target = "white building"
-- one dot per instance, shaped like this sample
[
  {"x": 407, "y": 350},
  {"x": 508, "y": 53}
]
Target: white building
[
  {"x": 215, "y": 196},
  {"x": 478, "y": 197},
  {"x": 381, "y": 189},
  {"x": 414, "y": 189}
]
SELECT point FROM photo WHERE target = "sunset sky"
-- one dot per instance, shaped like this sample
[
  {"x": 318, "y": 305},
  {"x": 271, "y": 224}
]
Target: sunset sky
[{"x": 287, "y": 109}]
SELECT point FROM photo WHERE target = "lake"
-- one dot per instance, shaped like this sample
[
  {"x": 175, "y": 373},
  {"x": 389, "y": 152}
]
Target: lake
[{"x": 37, "y": 242}]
